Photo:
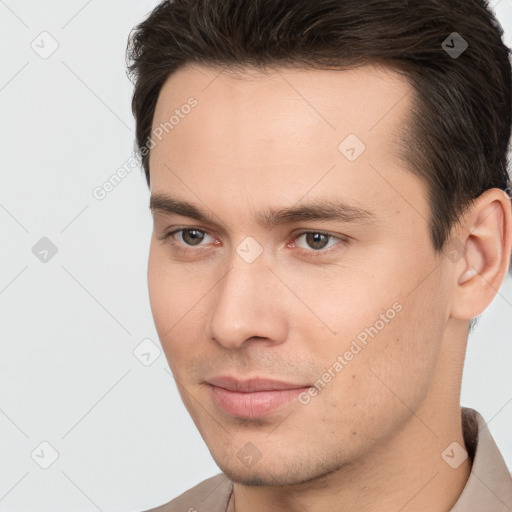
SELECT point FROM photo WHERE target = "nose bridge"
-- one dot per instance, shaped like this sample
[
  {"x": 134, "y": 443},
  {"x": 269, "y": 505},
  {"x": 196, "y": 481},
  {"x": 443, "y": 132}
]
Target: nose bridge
[{"x": 246, "y": 303}]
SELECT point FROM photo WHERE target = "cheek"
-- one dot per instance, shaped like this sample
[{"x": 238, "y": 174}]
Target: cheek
[
  {"x": 167, "y": 295},
  {"x": 172, "y": 287},
  {"x": 387, "y": 334},
  {"x": 158, "y": 288},
  {"x": 378, "y": 385},
  {"x": 177, "y": 296}
]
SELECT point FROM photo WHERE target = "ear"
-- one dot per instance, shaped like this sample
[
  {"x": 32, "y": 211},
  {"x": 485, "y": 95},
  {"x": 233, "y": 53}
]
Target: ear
[{"x": 480, "y": 253}]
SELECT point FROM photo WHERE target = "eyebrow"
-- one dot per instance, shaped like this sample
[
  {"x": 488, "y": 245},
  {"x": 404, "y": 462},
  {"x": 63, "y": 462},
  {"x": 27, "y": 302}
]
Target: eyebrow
[{"x": 314, "y": 210}]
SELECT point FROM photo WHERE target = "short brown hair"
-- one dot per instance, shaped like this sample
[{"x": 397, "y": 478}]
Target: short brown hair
[{"x": 460, "y": 126}]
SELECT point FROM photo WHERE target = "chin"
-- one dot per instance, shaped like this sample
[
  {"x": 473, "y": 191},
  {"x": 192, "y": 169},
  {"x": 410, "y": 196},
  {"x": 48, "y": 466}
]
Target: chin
[{"x": 269, "y": 477}]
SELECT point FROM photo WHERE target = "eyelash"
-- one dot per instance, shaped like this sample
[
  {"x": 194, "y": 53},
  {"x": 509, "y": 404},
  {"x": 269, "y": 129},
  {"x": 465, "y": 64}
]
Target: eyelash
[{"x": 308, "y": 253}]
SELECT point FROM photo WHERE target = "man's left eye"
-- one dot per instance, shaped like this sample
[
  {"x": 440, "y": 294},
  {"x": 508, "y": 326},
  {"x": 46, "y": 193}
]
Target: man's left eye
[
  {"x": 318, "y": 241},
  {"x": 192, "y": 237}
]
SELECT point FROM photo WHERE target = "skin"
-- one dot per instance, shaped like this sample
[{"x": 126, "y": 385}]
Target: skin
[{"x": 372, "y": 439}]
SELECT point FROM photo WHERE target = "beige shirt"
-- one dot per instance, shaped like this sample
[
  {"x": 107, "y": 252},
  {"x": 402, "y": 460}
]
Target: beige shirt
[{"x": 488, "y": 489}]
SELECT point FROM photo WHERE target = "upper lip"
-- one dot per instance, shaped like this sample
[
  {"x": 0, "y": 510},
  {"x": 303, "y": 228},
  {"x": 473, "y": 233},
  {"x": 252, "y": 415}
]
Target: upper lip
[{"x": 250, "y": 385}]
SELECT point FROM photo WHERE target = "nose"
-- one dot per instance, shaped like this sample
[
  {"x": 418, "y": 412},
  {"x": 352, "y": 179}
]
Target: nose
[{"x": 248, "y": 305}]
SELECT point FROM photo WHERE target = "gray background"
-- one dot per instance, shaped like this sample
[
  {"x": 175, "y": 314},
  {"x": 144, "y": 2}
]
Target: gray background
[{"x": 70, "y": 325}]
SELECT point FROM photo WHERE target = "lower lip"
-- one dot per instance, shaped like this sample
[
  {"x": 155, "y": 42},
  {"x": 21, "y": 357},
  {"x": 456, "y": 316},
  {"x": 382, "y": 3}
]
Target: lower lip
[{"x": 254, "y": 404}]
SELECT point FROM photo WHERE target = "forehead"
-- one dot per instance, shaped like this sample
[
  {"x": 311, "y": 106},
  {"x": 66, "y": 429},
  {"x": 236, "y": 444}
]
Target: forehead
[{"x": 279, "y": 130}]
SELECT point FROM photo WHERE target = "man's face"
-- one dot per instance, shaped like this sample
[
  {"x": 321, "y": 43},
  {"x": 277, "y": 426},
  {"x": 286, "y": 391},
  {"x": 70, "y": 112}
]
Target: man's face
[{"x": 354, "y": 303}]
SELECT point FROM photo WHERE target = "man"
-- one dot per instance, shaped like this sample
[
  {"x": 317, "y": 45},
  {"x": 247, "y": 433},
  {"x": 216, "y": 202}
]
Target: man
[{"x": 331, "y": 211}]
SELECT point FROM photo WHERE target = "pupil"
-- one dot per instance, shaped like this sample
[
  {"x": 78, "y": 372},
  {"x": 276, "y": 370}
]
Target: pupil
[
  {"x": 197, "y": 237},
  {"x": 314, "y": 239}
]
